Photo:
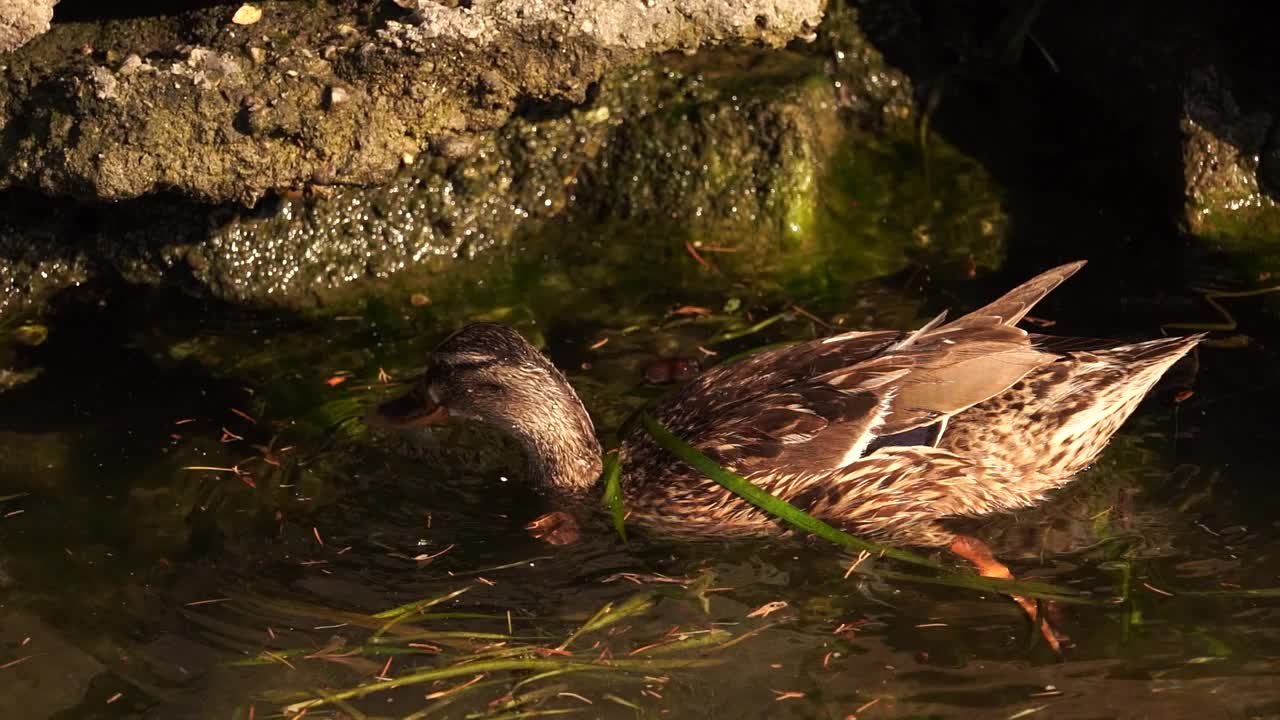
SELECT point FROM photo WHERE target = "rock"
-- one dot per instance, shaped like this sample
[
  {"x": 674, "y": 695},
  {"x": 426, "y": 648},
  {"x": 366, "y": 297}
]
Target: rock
[
  {"x": 665, "y": 24},
  {"x": 1222, "y": 151},
  {"x": 21, "y": 20},
  {"x": 719, "y": 161},
  {"x": 246, "y": 15},
  {"x": 176, "y": 659},
  {"x": 336, "y": 95},
  {"x": 746, "y": 160},
  {"x": 36, "y": 259},
  {"x": 134, "y": 64},
  {"x": 54, "y": 679},
  {"x": 686, "y": 145},
  {"x": 112, "y": 136},
  {"x": 208, "y": 69}
]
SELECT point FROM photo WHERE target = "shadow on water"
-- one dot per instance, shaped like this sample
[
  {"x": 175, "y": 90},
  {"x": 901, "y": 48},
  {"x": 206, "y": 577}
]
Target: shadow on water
[{"x": 131, "y": 584}]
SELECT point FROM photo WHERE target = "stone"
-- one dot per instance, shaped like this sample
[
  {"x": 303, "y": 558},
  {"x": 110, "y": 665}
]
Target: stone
[
  {"x": 1222, "y": 151},
  {"x": 22, "y": 20},
  {"x": 103, "y": 137},
  {"x": 53, "y": 680}
]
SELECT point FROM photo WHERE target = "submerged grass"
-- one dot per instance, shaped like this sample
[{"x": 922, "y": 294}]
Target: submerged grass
[
  {"x": 608, "y": 615},
  {"x": 395, "y": 615},
  {"x": 485, "y": 659},
  {"x": 504, "y": 665},
  {"x": 417, "y": 606},
  {"x": 273, "y": 657}
]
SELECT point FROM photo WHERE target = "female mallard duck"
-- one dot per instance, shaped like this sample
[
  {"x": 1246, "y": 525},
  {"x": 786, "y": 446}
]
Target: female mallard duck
[{"x": 881, "y": 433}]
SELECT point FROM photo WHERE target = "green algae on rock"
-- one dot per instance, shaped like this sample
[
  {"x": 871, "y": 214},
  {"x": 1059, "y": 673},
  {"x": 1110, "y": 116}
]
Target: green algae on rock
[
  {"x": 683, "y": 150},
  {"x": 735, "y": 149},
  {"x": 1226, "y": 204}
]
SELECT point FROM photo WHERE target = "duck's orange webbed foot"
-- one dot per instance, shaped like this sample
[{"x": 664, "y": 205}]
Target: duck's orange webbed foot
[
  {"x": 556, "y": 528},
  {"x": 977, "y": 552}
]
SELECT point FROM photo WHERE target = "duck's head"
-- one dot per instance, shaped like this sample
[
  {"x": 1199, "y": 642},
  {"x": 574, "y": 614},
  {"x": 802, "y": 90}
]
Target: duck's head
[{"x": 489, "y": 373}]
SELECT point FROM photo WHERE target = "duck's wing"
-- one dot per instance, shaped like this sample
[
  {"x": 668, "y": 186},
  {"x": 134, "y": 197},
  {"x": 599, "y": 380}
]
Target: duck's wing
[
  {"x": 943, "y": 373},
  {"x": 825, "y": 422},
  {"x": 820, "y": 405},
  {"x": 802, "y": 427},
  {"x": 773, "y": 409},
  {"x": 779, "y": 366},
  {"x": 1010, "y": 308},
  {"x": 943, "y": 369}
]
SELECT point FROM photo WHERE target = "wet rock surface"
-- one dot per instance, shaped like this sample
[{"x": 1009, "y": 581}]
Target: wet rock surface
[
  {"x": 329, "y": 94},
  {"x": 161, "y": 116},
  {"x": 1224, "y": 164},
  {"x": 372, "y": 149},
  {"x": 684, "y": 142},
  {"x": 54, "y": 677},
  {"x": 21, "y": 20}
]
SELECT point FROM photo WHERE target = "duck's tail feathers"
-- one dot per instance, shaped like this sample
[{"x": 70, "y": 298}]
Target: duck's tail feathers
[
  {"x": 1154, "y": 355},
  {"x": 1011, "y": 307},
  {"x": 1120, "y": 376}
]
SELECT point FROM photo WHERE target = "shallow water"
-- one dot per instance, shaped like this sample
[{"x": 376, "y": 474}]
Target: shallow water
[
  {"x": 134, "y": 586},
  {"x": 130, "y": 584}
]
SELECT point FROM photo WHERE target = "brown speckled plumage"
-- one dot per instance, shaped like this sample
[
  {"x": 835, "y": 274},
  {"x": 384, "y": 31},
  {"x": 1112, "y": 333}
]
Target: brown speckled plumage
[{"x": 882, "y": 433}]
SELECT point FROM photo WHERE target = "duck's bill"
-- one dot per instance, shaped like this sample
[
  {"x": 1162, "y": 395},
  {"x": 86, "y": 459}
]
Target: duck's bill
[{"x": 406, "y": 411}]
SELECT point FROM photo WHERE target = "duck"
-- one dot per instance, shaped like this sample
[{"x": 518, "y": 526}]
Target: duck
[{"x": 885, "y": 434}]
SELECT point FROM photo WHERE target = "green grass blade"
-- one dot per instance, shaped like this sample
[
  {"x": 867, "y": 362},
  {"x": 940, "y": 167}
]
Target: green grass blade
[
  {"x": 613, "y": 492},
  {"x": 535, "y": 664},
  {"x": 774, "y": 506},
  {"x": 360, "y": 650},
  {"x": 454, "y": 635},
  {"x": 418, "y": 605},
  {"x": 743, "y": 332},
  {"x": 395, "y": 616},
  {"x": 543, "y": 676},
  {"x": 623, "y": 702},
  {"x": 342, "y": 705},
  {"x": 530, "y": 713},
  {"x": 258, "y": 605},
  {"x": 608, "y": 615},
  {"x": 693, "y": 642}
]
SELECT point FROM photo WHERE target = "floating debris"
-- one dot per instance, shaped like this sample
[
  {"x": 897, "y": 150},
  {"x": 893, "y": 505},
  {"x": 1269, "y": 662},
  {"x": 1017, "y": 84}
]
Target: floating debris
[{"x": 767, "y": 609}]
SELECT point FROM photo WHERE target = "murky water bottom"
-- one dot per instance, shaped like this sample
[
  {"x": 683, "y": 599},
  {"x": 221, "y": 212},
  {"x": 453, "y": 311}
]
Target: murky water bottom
[{"x": 138, "y": 582}]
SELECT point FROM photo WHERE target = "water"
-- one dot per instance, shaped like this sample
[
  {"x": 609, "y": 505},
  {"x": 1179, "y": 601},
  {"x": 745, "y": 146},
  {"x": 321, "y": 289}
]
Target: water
[{"x": 132, "y": 584}]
